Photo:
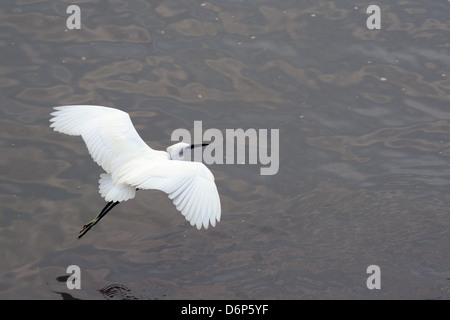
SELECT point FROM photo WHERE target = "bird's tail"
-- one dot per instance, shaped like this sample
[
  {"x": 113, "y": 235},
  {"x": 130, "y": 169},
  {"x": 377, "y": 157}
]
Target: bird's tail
[{"x": 115, "y": 192}]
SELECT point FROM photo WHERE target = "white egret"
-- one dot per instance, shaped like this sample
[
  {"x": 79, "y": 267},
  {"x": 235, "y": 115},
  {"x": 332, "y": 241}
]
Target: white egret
[{"x": 130, "y": 164}]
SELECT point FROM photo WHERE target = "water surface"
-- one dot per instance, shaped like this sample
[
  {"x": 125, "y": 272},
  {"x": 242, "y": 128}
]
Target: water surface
[{"x": 364, "y": 148}]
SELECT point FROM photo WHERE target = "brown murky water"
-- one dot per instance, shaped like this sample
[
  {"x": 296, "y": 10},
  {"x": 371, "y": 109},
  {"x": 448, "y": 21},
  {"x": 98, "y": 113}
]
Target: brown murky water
[{"x": 364, "y": 148}]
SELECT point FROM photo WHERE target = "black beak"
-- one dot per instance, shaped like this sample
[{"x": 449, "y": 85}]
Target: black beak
[{"x": 198, "y": 145}]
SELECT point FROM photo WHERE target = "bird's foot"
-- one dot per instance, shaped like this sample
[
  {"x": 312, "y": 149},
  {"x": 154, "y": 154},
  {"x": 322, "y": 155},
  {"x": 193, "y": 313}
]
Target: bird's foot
[{"x": 87, "y": 227}]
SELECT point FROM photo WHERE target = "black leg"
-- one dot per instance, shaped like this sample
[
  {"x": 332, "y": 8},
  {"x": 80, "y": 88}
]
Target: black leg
[{"x": 93, "y": 222}]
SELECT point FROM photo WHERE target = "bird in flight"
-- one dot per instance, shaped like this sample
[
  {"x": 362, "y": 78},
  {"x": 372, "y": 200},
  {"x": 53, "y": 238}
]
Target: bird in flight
[{"x": 130, "y": 164}]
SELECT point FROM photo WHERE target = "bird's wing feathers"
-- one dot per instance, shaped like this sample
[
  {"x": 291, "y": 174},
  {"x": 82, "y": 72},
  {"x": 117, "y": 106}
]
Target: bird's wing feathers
[
  {"x": 107, "y": 132},
  {"x": 190, "y": 185}
]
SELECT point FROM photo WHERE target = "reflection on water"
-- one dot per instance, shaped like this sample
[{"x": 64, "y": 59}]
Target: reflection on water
[{"x": 364, "y": 149}]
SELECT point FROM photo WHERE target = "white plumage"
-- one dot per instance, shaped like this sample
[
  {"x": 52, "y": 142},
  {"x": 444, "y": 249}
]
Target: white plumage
[{"x": 131, "y": 164}]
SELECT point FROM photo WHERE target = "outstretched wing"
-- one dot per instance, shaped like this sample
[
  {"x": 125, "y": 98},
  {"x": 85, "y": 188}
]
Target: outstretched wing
[
  {"x": 190, "y": 185},
  {"x": 109, "y": 134}
]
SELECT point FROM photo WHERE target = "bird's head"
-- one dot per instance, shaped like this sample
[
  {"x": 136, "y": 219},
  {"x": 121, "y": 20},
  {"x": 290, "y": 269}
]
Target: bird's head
[{"x": 177, "y": 151}]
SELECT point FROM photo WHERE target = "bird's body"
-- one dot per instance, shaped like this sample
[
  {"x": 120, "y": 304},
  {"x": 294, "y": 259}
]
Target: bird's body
[{"x": 130, "y": 164}]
